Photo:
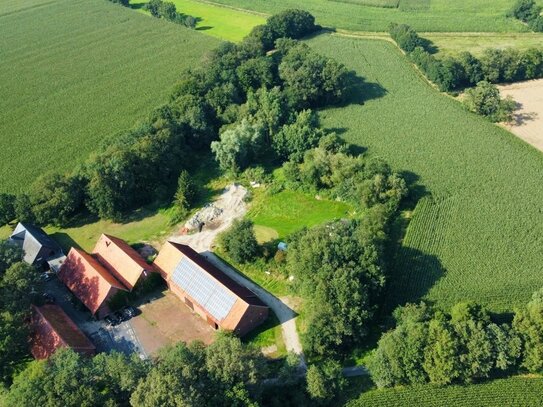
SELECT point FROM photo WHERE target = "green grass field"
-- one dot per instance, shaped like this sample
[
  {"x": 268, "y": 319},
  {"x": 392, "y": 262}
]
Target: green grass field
[
  {"x": 423, "y": 15},
  {"x": 221, "y": 22},
  {"x": 512, "y": 392},
  {"x": 74, "y": 72},
  {"x": 481, "y": 239},
  {"x": 476, "y": 43},
  {"x": 289, "y": 211}
]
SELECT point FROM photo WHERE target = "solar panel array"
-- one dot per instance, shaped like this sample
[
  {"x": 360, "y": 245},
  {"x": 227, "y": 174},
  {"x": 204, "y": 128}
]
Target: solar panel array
[{"x": 212, "y": 296}]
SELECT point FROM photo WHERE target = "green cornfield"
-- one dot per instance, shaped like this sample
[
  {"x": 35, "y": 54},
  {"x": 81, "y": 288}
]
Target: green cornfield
[
  {"x": 423, "y": 15},
  {"x": 74, "y": 72},
  {"x": 478, "y": 232},
  {"x": 513, "y": 392}
]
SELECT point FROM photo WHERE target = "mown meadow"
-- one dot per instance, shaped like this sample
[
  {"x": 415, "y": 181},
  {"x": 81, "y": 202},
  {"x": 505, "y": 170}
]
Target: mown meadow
[
  {"x": 516, "y": 391},
  {"x": 478, "y": 234},
  {"x": 74, "y": 72},
  {"x": 221, "y": 22},
  {"x": 376, "y": 15}
]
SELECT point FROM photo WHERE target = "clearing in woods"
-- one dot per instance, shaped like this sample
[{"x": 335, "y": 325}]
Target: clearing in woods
[
  {"x": 74, "y": 72},
  {"x": 528, "y": 116},
  {"x": 480, "y": 236}
]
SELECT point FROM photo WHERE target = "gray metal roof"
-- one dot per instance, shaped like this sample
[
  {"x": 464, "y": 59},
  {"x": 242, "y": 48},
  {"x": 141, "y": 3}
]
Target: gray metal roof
[
  {"x": 209, "y": 294},
  {"x": 36, "y": 244}
]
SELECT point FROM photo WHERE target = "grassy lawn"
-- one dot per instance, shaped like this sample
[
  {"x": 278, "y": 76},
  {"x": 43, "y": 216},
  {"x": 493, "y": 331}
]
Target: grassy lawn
[
  {"x": 480, "y": 236},
  {"x": 221, "y": 22},
  {"x": 145, "y": 225},
  {"x": 289, "y": 211},
  {"x": 423, "y": 15},
  {"x": 515, "y": 391},
  {"x": 268, "y": 334},
  {"x": 476, "y": 43},
  {"x": 74, "y": 72}
]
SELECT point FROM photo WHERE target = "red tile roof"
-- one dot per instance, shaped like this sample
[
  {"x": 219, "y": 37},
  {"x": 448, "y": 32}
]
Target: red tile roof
[
  {"x": 52, "y": 328},
  {"x": 87, "y": 279},
  {"x": 121, "y": 260}
]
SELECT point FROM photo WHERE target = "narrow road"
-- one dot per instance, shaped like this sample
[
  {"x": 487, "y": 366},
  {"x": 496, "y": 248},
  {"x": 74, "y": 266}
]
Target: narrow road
[{"x": 286, "y": 316}]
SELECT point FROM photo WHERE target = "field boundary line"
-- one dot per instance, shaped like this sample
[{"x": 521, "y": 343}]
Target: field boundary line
[{"x": 243, "y": 10}]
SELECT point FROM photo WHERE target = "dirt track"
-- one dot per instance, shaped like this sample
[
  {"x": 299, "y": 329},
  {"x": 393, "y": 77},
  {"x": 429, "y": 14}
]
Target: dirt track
[
  {"x": 233, "y": 206},
  {"x": 528, "y": 117}
]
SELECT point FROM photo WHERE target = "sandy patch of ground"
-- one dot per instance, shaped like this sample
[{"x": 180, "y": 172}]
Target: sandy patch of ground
[
  {"x": 217, "y": 217},
  {"x": 166, "y": 320},
  {"x": 528, "y": 117}
]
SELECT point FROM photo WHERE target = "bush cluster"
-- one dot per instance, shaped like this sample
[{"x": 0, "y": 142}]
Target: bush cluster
[
  {"x": 331, "y": 170},
  {"x": 463, "y": 346},
  {"x": 338, "y": 269},
  {"x": 168, "y": 11},
  {"x": 453, "y": 73},
  {"x": 485, "y": 100},
  {"x": 529, "y": 12}
]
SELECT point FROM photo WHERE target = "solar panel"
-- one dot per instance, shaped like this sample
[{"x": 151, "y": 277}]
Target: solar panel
[{"x": 203, "y": 288}]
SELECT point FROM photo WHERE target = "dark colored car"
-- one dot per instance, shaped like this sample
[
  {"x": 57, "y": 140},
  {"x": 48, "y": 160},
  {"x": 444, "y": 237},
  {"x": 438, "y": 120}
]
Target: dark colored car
[
  {"x": 48, "y": 298},
  {"x": 120, "y": 316},
  {"x": 112, "y": 320},
  {"x": 130, "y": 311},
  {"x": 45, "y": 277}
]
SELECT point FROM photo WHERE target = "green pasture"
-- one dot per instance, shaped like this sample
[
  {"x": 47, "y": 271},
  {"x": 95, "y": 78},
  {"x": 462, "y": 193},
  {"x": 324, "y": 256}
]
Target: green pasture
[
  {"x": 476, "y": 43},
  {"x": 480, "y": 236},
  {"x": 221, "y": 22},
  {"x": 144, "y": 225},
  {"x": 288, "y": 211},
  {"x": 74, "y": 72},
  {"x": 423, "y": 15},
  {"x": 515, "y": 391}
]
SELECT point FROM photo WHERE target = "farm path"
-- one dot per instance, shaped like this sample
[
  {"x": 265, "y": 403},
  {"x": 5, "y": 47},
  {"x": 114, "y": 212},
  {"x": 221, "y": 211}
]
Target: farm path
[{"x": 232, "y": 206}]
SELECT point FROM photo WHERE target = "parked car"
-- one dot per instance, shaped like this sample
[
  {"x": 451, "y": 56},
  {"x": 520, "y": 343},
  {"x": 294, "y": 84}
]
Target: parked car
[
  {"x": 112, "y": 320},
  {"x": 45, "y": 277},
  {"x": 120, "y": 316},
  {"x": 48, "y": 298},
  {"x": 130, "y": 311}
]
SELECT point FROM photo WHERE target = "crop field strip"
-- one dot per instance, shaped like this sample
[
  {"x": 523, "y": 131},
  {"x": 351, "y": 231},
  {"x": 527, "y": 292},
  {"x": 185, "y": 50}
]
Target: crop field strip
[
  {"x": 516, "y": 391},
  {"x": 423, "y": 15},
  {"x": 65, "y": 93},
  {"x": 490, "y": 179}
]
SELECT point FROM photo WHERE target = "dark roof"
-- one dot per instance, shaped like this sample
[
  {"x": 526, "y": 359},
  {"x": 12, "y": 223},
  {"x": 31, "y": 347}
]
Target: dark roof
[
  {"x": 241, "y": 291},
  {"x": 35, "y": 243},
  {"x": 43, "y": 238}
]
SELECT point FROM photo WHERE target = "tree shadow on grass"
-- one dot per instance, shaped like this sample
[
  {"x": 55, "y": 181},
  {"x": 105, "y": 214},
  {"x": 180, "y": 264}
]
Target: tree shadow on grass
[
  {"x": 204, "y": 28},
  {"x": 361, "y": 91},
  {"x": 412, "y": 275},
  {"x": 137, "y": 6}
]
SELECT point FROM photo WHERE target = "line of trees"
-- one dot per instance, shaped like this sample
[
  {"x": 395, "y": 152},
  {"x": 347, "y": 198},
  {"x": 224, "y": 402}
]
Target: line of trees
[
  {"x": 453, "y": 73},
  {"x": 168, "y": 11},
  {"x": 529, "y": 12},
  {"x": 19, "y": 287},
  {"x": 462, "y": 346},
  {"x": 226, "y": 373},
  {"x": 236, "y": 83}
]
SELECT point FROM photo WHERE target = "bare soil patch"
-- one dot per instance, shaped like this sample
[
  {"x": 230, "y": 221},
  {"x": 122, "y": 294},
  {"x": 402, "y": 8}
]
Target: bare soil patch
[
  {"x": 215, "y": 217},
  {"x": 528, "y": 116},
  {"x": 166, "y": 320}
]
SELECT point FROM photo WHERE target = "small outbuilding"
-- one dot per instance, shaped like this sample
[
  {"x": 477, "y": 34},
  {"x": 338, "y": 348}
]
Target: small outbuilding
[
  {"x": 51, "y": 329},
  {"x": 208, "y": 291},
  {"x": 37, "y": 246}
]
